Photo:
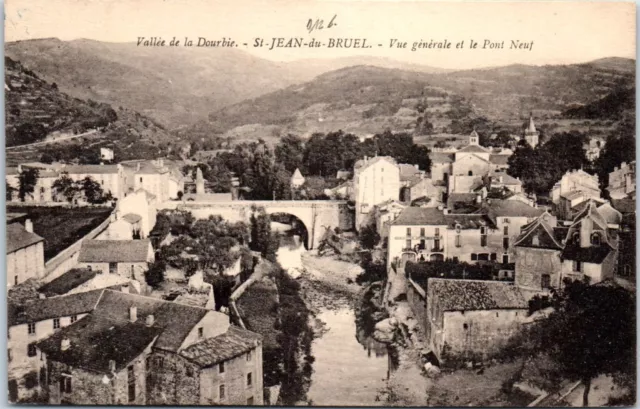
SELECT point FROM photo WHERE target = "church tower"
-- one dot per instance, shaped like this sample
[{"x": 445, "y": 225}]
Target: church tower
[
  {"x": 530, "y": 134},
  {"x": 474, "y": 139}
]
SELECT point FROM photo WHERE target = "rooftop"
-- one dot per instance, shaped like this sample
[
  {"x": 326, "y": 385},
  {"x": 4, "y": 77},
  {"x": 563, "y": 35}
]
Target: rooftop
[
  {"x": 365, "y": 163},
  {"x": 420, "y": 216},
  {"x": 208, "y": 197},
  {"x": 499, "y": 159},
  {"x": 112, "y": 251},
  {"x": 472, "y": 295},
  {"x": 438, "y": 157},
  {"x": 511, "y": 208},
  {"x": 593, "y": 254},
  {"x": 473, "y": 149},
  {"x": 90, "y": 169},
  {"x": 94, "y": 341},
  {"x": 18, "y": 237},
  {"x": 131, "y": 218},
  {"x": 67, "y": 282},
  {"x": 56, "y": 307},
  {"x": 235, "y": 342}
]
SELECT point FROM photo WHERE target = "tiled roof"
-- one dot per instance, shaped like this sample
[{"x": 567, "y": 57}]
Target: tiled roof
[
  {"x": 176, "y": 320},
  {"x": 132, "y": 218},
  {"x": 506, "y": 178},
  {"x": 236, "y": 341},
  {"x": 420, "y": 216},
  {"x": 473, "y": 295},
  {"x": 593, "y": 254},
  {"x": 114, "y": 251},
  {"x": 96, "y": 341},
  {"x": 474, "y": 149},
  {"x": 296, "y": 174},
  {"x": 438, "y": 157},
  {"x": 148, "y": 168},
  {"x": 150, "y": 196},
  {"x": 468, "y": 221},
  {"x": 498, "y": 159},
  {"x": 610, "y": 215},
  {"x": 90, "y": 169},
  {"x": 545, "y": 233},
  {"x": 362, "y": 164},
  {"x": 56, "y": 307},
  {"x": 67, "y": 282},
  {"x": 18, "y": 237},
  {"x": 626, "y": 205},
  {"x": 511, "y": 208},
  {"x": 407, "y": 171},
  {"x": 11, "y": 170},
  {"x": 572, "y": 195},
  {"x": 15, "y": 217}
]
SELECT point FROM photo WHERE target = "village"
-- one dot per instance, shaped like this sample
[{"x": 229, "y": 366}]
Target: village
[{"x": 140, "y": 282}]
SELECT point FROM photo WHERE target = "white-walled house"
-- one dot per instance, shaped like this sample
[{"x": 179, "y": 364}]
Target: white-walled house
[
  {"x": 25, "y": 253},
  {"x": 35, "y": 321},
  {"x": 375, "y": 181}
]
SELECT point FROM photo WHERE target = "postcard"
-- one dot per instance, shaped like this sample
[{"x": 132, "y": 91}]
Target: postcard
[{"x": 320, "y": 203}]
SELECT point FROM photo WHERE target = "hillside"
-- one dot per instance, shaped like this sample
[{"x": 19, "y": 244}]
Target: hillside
[
  {"x": 175, "y": 86},
  {"x": 40, "y": 119},
  {"x": 35, "y": 108},
  {"x": 366, "y": 99},
  {"x": 613, "y": 106}
]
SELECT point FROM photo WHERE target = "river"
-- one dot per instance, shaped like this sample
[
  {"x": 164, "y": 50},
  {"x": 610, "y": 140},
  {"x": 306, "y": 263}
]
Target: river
[{"x": 348, "y": 369}]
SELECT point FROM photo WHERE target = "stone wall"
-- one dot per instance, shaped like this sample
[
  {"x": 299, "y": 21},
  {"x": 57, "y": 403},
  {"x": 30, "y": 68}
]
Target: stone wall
[
  {"x": 234, "y": 379},
  {"x": 172, "y": 380},
  {"x": 532, "y": 263}
]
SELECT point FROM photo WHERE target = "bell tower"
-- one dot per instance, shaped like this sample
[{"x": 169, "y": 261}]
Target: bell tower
[{"x": 531, "y": 134}]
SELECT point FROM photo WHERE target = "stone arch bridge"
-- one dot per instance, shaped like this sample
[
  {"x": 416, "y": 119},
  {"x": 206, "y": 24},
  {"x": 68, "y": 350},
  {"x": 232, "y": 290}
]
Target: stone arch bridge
[{"x": 315, "y": 215}]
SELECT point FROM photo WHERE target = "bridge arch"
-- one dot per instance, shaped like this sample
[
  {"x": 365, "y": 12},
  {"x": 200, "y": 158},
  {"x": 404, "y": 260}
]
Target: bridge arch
[{"x": 297, "y": 225}]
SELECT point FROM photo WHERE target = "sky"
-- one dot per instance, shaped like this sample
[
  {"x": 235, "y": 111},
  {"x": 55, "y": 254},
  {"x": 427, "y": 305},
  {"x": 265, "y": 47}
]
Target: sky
[{"x": 562, "y": 32}]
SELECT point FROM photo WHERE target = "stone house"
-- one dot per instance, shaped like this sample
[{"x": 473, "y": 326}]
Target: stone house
[
  {"x": 144, "y": 351},
  {"x": 25, "y": 253},
  {"x": 375, "y": 181},
  {"x": 471, "y": 319},
  {"x": 110, "y": 177},
  {"x": 622, "y": 180},
  {"x": 575, "y": 181},
  {"x": 127, "y": 258},
  {"x": 428, "y": 234},
  {"x": 43, "y": 190},
  {"x": 297, "y": 179},
  {"x": 35, "y": 321},
  {"x": 547, "y": 253}
]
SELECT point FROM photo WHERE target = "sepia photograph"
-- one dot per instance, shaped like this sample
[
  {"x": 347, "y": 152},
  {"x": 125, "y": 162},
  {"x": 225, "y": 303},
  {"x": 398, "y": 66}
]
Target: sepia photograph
[{"x": 320, "y": 203}]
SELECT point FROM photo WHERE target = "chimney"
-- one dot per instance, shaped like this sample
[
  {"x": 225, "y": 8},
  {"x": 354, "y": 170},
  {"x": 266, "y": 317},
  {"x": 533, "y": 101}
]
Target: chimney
[
  {"x": 41, "y": 296},
  {"x": 446, "y": 211},
  {"x": 28, "y": 225},
  {"x": 133, "y": 313},
  {"x": 478, "y": 198},
  {"x": 440, "y": 208},
  {"x": 138, "y": 167},
  {"x": 112, "y": 366},
  {"x": 65, "y": 344},
  {"x": 150, "y": 320}
]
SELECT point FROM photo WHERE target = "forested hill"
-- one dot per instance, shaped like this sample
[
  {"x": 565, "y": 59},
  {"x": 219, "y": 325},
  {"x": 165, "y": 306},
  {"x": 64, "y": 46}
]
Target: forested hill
[
  {"x": 611, "y": 107},
  {"x": 35, "y": 108}
]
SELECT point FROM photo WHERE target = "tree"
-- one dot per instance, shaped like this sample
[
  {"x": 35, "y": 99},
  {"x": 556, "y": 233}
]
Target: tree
[
  {"x": 155, "y": 274},
  {"x": 65, "y": 187},
  {"x": 92, "y": 190},
  {"x": 290, "y": 152},
  {"x": 590, "y": 332},
  {"x": 369, "y": 236},
  {"x": 262, "y": 239},
  {"x": 27, "y": 180},
  {"x": 47, "y": 158}
]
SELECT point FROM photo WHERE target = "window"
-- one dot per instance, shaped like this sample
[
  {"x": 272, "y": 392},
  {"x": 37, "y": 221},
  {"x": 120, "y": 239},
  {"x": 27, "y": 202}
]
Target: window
[
  {"x": 577, "y": 266},
  {"x": 465, "y": 326},
  {"x": 436, "y": 244},
  {"x": 437, "y": 233},
  {"x": 250, "y": 401},
  {"x": 408, "y": 231},
  {"x": 56, "y": 323},
  {"x": 131, "y": 383},
  {"x": 458, "y": 228},
  {"x": 407, "y": 244},
  {"x": 74, "y": 318},
  {"x": 422, "y": 233},
  {"x": 15, "y": 280},
  {"x": 221, "y": 367},
  {"x": 189, "y": 371},
  {"x": 470, "y": 173},
  {"x": 505, "y": 259},
  {"x": 160, "y": 362},
  {"x": 200, "y": 332},
  {"x": 545, "y": 281},
  {"x": 506, "y": 220},
  {"x": 249, "y": 380},
  {"x": 493, "y": 257},
  {"x": 31, "y": 350},
  {"x": 65, "y": 383},
  {"x": 133, "y": 276},
  {"x": 505, "y": 242},
  {"x": 222, "y": 392},
  {"x": 535, "y": 240},
  {"x": 474, "y": 257},
  {"x": 456, "y": 259},
  {"x": 423, "y": 244},
  {"x": 595, "y": 239},
  {"x": 9, "y": 357},
  {"x": 497, "y": 314},
  {"x": 506, "y": 230},
  {"x": 248, "y": 356},
  {"x": 32, "y": 328},
  {"x": 483, "y": 237},
  {"x": 148, "y": 363},
  {"x": 458, "y": 244},
  {"x": 576, "y": 238},
  {"x": 140, "y": 179},
  {"x": 113, "y": 268}
]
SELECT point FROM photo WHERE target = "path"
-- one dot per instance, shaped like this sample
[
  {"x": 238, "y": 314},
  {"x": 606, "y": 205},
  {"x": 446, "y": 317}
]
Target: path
[{"x": 48, "y": 141}]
